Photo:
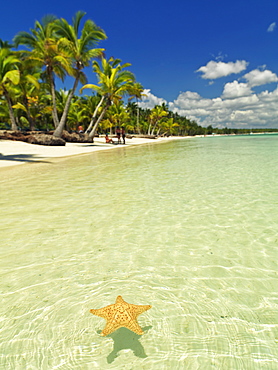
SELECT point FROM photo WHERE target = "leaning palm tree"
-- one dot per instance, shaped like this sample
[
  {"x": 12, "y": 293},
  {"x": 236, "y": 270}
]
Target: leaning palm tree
[
  {"x": 113, "y": 84},
  {"x": 157, "y": 114},
  {"x": 9, "y": 78},
  {"x": 81, "y": 51},
  {"x": 169, "y": 127},
  {"x": 45, "y": 48}
]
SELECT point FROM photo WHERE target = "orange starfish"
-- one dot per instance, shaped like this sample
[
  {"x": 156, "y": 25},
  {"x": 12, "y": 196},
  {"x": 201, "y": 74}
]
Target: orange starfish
[{"x": 121, "y": 314}]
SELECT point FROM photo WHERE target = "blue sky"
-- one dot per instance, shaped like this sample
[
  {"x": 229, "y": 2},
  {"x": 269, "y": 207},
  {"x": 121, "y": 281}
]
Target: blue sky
[{"x": 215, "y": 61}]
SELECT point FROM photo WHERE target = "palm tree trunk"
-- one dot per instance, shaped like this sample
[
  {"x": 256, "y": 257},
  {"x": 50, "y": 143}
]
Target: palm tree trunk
[
  {"x": 29, "y": 117},
  {"x": 11, "y": 112},
  {"x": 30, "y": 120},
  {"x": 149, "y": 129},
  {"x": 154, "y": 126},
  {"x": 138, "y": 124},
  {"x": 53, "y": 94},
  {"x": 92, "y": 133},
  {"x": 61, "y": 125},
  {"x": 94, "y": 115}
]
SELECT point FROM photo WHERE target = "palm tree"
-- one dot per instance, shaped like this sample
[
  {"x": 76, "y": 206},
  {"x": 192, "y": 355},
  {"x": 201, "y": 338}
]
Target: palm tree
[
  {"x": 76, "y": 115},
  {"x": 81, "y": 51},
  {"x": 9, "y": 77},
  {"x": 157, "y": 113},
  {"x": 28, "y": 87},
  {"x": 46, "y": 49},
  {"x": 116, "y": 115},
  {"x": 169, "y": 126},
  {"x": 113, "y": 83},
  {"x": 88, "y": 104},
  {"x": 137, "y": 94}
]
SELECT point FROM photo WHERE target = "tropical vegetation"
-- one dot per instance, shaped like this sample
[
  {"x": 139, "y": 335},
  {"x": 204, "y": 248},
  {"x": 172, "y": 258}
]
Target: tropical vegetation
[{"x": 54, "y": 50}]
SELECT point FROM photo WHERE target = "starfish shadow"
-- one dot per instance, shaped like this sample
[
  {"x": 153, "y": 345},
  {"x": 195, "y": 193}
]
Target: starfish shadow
[{"x": 125, "y": 339}]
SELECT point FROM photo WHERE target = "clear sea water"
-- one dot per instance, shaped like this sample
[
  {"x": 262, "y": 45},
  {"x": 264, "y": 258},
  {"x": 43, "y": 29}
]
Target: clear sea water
[{"x": 188, "y": 226}]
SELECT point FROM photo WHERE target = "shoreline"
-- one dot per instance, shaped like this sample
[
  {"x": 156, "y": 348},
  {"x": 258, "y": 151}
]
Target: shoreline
[{"x": 15, "y": 153}]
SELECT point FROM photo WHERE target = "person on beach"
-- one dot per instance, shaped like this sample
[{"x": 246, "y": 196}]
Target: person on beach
[
  {"x": 80, "y": 129},
  {"x": 118, "y": 133},
  {"x": 123, "y": 134},
  {"x": 107, "y": 140}
]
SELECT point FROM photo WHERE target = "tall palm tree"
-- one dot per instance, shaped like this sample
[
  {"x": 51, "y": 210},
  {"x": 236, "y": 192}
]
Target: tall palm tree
[
  {"x": 9, "y": 78},
  {"x": 113, "y": 83},
  {"x": 137, "y": 94},
  {"x": 46, "y": 49},
  {"x": 81, "y": 51}
]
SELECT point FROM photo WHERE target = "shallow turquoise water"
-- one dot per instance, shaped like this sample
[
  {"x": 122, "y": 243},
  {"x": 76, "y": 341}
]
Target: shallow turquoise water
[{"x": 188, "y": 226}]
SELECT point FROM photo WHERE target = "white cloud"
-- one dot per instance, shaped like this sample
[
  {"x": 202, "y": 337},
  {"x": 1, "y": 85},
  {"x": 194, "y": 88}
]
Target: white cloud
[
  {"x": 215, "y": 70},
  {"x": 271, "y": 27},
  {"x": 235, "y": 90},
  {"x": 237, "y": 107},
  {"x": 253, "y": 110},
  {"x": 258, "y": 78},
  {"x": 150, "y": 100}
]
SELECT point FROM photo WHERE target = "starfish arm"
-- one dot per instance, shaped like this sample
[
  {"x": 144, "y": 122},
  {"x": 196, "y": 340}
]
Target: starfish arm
[
  {"x": 119, "y": 299},
  {"x": 135, "y": 327},
  {"x": 110, "y": 327},
  {"x": 137, "y": 310},
  {"x": 102, "y": 312}
]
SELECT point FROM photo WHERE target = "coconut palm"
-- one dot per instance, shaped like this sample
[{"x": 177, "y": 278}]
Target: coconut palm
[
  {"x": 113, "y": 84},
  {"x": 81, "y": 51},
  {"x": 157, "y": 113},
  {"x": 76, "y": 115},
  {"x": 46, "y": 49},
  {"x": 116, "y": 115},
  {"x": 137, "y": 94},
  {"x": 169, "y": 126},
  {"x": 9, "y": 78},
  {"x": 28, "y": 87}
]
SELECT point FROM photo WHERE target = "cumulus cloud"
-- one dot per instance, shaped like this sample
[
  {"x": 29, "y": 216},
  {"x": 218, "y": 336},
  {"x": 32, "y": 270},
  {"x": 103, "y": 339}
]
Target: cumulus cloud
[
  {"x": 215, "y": 70},
  {"x": 253, "y": 110},
  {"x": 237, "y": 107},
  {"x": 258, "y": 78},
  {"x": 235, "y": 90},
  {"x": 149, "y": 100},
  {"x": 271, "y": 27}
]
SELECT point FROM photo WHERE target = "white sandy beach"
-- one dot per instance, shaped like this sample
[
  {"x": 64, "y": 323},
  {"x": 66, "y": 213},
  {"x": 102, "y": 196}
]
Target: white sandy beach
[{"x": 14, "y": 153}]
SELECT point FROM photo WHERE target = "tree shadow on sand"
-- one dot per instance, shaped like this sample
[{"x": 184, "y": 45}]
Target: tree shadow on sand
[
  {"x": 21, "y": 158},
  {"x": 125, "y": 339}
]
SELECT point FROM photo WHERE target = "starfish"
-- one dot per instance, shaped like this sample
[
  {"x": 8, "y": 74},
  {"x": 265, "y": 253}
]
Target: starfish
[{"x": 121, "y": 314}]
